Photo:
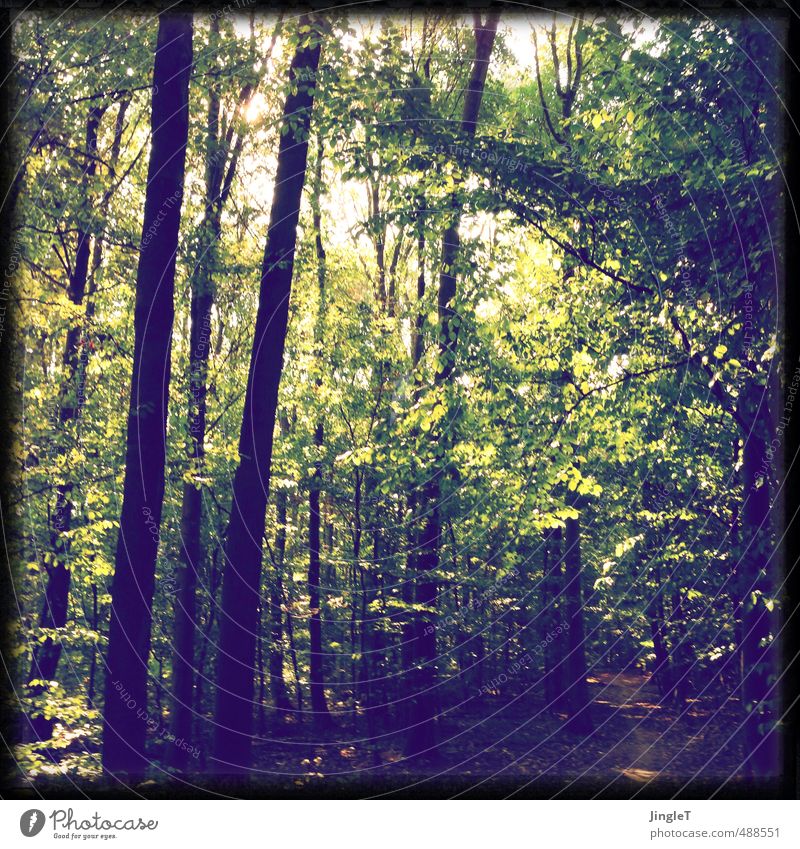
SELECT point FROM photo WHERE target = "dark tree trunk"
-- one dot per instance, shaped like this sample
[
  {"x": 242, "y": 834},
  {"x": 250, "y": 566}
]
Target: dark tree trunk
[
  {"x": 757, "y": 589},
  {"x": 293, "y": 655},
  {"x": 125, "y": 720},
  {"x": 242, "y": 578},
  {"x": 93, "y": 662},
  {"x": 214, "y": 581},
  {"x": 280, "y": 695},
  {"x": 319, "y": 704},
  {"x": 577, "y": 694},
  {"x": 662, "y": 670},
  {"x": 554, "y": 645},
  {"x": 220, "y": 166},
  {"x": 422, "y": 729}
]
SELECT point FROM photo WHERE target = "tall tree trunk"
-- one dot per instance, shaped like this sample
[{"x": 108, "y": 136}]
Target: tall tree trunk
[
  {"x": 93, "y": 662},
  {"x": 125, "y": 719},
  {"x": 319, "y": 704},
  {"x": 293, "y": 655},
  {"x": 280, "y": 695},
  {"x": 413, "y": 497},
  {"x": 662, "y": 670},
  {"x": 422, "y": 731},
  {"x": 554, "y": 594},
  {"x": 577, "y": 695},
  {"x": 757, "y": 589},
  {"x": 682, "y": 655},
  {"x": 214, "y": 580},
  {"x": 242, "y": 578},
  {"x": 55, "y": 605},
  {"x": 222, "y": 156}
]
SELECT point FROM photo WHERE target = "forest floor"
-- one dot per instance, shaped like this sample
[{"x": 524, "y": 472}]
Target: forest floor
[{"x": 638, "y": 739}]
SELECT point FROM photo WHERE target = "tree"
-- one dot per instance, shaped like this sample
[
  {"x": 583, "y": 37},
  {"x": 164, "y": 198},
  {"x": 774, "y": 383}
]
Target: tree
[
  {"x": 125, "y": 719},
  {"x": 319, "y": 704},
  {"x": 233, "y": 715},
  {"x": 422, "y": 736},
  {"x": 56, "y": 598},
  {"x": 222, "y": 153},
  {"x": 544, "y": 485}
]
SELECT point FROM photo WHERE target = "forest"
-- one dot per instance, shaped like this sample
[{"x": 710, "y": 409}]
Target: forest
[{"x": 399, "y": 399}]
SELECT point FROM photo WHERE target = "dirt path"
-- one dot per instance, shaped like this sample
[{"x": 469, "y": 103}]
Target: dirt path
[
  {"x": 637, "y": 754},
  {"x": 637, "y": 739}
]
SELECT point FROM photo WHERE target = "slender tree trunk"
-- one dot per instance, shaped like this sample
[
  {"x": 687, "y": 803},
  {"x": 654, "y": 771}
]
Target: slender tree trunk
[
  {"x": 662, "y": 671},
  {"x": 125, "y": 720},
  {"x": 757, "y": 589},
  {"x": 682, "y": 656},
  {"x": 554, "y": 651},
  {"x": 280, "y": 696},
  {"x": 93, "y": 662},
  {"x": 295, "y": 665},
  {"x": 319, "y": 704},
  {"x": 577, "y": 695},
  {"x": 413, "y": 498},
  {"x": 242, "y": 578},
  {"x": 55, "y": 605},
  {"x": 422, "y": 730},
  {"x": 220, "y": 165},
  {"x": 214, "y": 581}
]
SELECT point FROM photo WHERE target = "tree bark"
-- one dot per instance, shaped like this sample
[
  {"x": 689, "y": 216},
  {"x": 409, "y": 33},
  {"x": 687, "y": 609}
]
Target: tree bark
[
  {"x": 53, "y": 615},
  {"x": 241, "y": 582},
  {"x": 125, "y": 719},
  {"x": 280, "y": 695},
  {"x": 422, "y": 730},
  {"x": 757, "y": 589},
  {"x": 222, "y": 156},
  {"x": 662, "y": 670},
  {"x": 319, "y": 704},
  {"x": 554, "y": 595}
]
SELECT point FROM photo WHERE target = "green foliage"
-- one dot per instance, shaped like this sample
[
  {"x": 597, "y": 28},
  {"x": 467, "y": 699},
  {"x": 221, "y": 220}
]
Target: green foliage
[{"x": 616, "y": 297}]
